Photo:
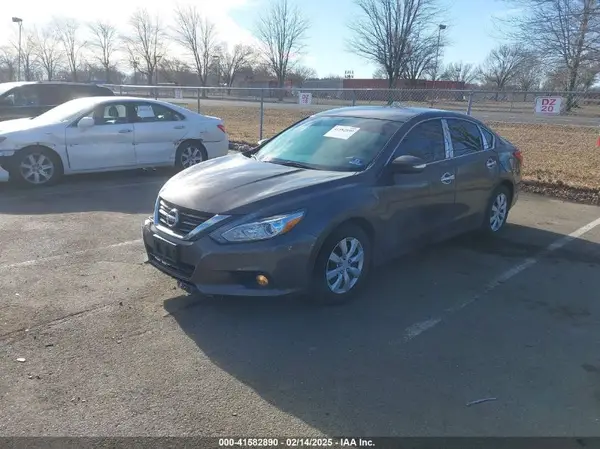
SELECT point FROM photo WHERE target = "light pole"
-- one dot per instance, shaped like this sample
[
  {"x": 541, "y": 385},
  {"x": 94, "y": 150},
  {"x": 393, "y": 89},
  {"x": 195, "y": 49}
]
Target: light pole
[
  {"x": 437, "y": 51},
  {"x": 20, "y": 22}
]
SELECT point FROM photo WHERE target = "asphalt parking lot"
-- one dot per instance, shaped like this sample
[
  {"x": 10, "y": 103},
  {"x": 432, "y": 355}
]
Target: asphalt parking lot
[{"x": 112, "y": 348}]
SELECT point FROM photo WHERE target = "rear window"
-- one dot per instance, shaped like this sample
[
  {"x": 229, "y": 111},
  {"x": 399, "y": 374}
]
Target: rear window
[{"x": 489, "y": 137}]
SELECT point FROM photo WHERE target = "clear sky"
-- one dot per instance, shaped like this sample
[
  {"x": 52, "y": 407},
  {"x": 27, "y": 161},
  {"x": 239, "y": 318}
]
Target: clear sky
[{"x": 470, "y": 27}]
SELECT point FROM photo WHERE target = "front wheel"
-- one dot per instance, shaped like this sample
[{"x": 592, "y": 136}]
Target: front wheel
[
  {"x": 342, "y": 265},
  {"x": 189, "y": 153},
  {"x": 36, "y": 167}
]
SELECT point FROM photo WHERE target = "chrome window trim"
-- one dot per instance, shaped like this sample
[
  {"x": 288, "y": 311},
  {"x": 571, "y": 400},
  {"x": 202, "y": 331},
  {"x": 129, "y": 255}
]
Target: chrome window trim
[
  {"x": 483, "y": 139},
  {"x": 212, "y": 221},
  {"x": 488, "y": 145}
]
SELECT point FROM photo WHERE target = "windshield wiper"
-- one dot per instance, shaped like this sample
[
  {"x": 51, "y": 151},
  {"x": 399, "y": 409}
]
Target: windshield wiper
[{"x": 290, "y": 163}]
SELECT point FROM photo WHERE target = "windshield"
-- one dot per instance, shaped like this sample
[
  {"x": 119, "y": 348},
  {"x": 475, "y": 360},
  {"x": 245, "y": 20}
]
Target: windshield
[
  {"x": 66, "y": 111},
  {"x": 330, "y": 143},
  {"x": 5, "y": 87}
]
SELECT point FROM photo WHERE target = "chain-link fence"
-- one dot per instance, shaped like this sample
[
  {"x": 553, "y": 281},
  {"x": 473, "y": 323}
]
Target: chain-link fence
[{"x": 557, "y": 131}]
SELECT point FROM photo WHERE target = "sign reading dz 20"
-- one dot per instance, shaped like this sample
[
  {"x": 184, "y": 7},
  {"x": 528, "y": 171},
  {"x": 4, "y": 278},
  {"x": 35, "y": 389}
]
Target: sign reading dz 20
[{"x": 548, "y": 105}]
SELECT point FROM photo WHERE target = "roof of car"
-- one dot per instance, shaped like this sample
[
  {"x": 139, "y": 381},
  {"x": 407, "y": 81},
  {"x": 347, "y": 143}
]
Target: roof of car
[
  {"x": 60, "y": 83},
  {"x": 393, "y": 113}
]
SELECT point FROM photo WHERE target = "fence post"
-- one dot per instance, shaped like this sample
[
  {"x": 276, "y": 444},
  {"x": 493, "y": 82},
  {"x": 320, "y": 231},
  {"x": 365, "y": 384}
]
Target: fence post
[
  {"x": 512, "y": 101},
  {"x": 262, "y": 113},
  {"x": 198, "y": 99},
  {"x": 120, "y": 90},
  {"x": 353, "y": 97},
  {"x": 470, "y": 104}
]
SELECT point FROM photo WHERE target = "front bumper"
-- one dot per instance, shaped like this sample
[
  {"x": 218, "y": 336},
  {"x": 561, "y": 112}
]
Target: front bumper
[{"x": 231, "y": 269}]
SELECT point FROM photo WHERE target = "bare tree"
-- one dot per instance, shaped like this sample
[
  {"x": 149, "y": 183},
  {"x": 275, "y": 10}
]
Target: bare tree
[
  {"x": 104, "y": 40},
  {"x": 301, "y": 73},
  {"x": 529, "y": 73},
  {"x": 68, "y": 33},
  {"x": 379, "y": 73},
  {"x": 29, "y": 61},
  {"x": 233, "y": 61},
  {"x": 563, "y": 32},
  {"x": 47, "y": 49},
  {"x": 146, "y": 42},
  {"x": 281, "y": 31},
  {"x": 385, "y": 30},
  {"x": 423, "y": 50},
  {"x": 501, "y": 66},
  {"x": 459, "y": 72},
  {"x": 9, "y": 60},
  {"x": 198, "y": 36}
]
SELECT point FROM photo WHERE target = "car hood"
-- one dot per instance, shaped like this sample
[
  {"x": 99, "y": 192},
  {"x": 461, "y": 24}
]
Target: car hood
[
  {"x": 236, "y": 184},
  {"x": 19, "y": 124}
]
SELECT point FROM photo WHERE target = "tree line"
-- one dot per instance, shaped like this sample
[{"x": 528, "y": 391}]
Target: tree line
[{"x": 549, "y": 45}]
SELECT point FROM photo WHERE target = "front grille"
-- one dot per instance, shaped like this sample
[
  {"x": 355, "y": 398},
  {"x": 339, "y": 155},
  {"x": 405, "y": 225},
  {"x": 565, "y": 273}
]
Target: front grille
[
  {"x": 188, "y": 219},
  {"x": 178, "y": 270}
]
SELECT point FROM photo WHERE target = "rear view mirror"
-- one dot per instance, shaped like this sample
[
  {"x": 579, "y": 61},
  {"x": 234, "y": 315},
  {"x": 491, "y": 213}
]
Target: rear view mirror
[
  {"x": 408, "y": 164},
  {"x": 85, "y": 122}
]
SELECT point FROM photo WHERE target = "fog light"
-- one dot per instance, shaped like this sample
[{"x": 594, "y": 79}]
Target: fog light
[{"x": 262, "y": 280}]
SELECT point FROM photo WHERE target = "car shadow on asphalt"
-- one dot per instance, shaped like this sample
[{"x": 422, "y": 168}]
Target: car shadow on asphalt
[
  {"x": 340, "y": 369},
  {"x": 130, "y": 192}
]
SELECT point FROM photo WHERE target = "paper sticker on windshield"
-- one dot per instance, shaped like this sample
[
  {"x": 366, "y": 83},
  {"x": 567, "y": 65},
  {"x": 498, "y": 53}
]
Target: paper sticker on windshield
[
  {"x": 145, "y": 111},
  {"x": 341, "y": 132},
  {"x": 356, "y": 161}
]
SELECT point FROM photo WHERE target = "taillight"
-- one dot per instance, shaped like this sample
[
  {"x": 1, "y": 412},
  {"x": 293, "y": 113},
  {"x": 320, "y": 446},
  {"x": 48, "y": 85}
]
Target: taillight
[
  {"x": 222, "y": 128},
  {"x": 519, "y": 156}
]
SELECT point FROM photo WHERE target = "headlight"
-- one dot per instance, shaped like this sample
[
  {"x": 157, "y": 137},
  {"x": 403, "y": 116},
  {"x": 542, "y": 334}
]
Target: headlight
[{"x": 263, "y": 229}]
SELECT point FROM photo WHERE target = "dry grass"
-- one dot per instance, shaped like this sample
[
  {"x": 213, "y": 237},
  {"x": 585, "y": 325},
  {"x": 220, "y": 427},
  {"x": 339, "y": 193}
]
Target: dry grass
[{"x": 556, "y": 156}]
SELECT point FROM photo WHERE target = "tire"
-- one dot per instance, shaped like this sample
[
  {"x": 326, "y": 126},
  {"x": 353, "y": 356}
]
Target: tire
[
  {"x": 190, "y": 153},
  {"x": 496, "y": 212},
  {"x": 36, "y": 167},
  {"x": 337, "y": 291}
]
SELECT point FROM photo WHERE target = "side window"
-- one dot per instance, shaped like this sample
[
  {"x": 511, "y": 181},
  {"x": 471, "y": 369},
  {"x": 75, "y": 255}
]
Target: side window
[
  {"x": 156, "y": 113},
  {"x": 110, "y": 114},
  {"x": 52, "y": 95},
  {"x": 25, "y": 96},
  {"x": 489, "y": 137},
  {"x": 465, "y": 136},
  {"x": 426, "y": 140}
]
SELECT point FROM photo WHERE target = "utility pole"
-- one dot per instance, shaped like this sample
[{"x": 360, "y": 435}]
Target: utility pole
[
  {"x": 437, "y": 52},
  {"x": 20, "y": 22}
]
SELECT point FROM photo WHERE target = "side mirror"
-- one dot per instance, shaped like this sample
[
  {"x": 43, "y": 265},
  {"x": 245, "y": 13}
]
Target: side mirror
[
  {"x": 260, "y": 142},
  {"x": 408, "y": 164},
  {"x": 86, "y": 122}
]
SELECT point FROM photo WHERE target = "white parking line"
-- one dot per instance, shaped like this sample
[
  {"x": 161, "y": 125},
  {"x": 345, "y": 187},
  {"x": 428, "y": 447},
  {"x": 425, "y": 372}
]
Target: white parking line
[
  {"x": 29, "y": 263},
  {"x": 417, "y": 329}
]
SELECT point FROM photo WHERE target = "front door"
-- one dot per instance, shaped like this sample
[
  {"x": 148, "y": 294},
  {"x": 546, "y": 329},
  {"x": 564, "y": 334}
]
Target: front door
[
  {"x": 422, "y": 204},
  {"x": 158, "y": 130},
  {"x": 105, "y": 145},
  {"x": 477, "y": 169}
]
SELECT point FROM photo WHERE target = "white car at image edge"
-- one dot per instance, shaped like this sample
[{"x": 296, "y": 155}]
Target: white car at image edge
[{"x": 99, "y": 134}]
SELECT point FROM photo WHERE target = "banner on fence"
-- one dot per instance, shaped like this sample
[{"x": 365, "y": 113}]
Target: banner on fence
[
  {"x": 178, "y": 94},
  {"x": 304, "y": 98},
  {"x": 548, "y": 105}
]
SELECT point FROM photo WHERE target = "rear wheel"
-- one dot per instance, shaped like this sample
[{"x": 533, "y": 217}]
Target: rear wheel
[
  {"x": 497, "y": 211},
  {"x": 342, "y": 265},
  {"x": 36, "y": 166},
  {"x": 190, "y": 153}
]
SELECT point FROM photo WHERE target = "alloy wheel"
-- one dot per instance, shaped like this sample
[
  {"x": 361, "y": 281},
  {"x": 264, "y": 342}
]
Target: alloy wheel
[
  {"x": 345, "y": 265},
  {"x": 498, "y": 212},
  {"x": 37, "y": 168},
  {"x": 191, "y": 155}
]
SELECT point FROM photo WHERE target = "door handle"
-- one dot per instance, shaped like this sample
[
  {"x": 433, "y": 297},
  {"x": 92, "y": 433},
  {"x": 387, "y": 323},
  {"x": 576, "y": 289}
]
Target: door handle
[
  {"x": 491, "y": 163},
  {"x": 125, "y": 131},
  {"x": 179, "y": 127},
  {"x": 447, "y": 178}
]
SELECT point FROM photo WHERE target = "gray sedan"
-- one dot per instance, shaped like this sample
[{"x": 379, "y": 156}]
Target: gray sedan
[{"x": 322, "y": 203}]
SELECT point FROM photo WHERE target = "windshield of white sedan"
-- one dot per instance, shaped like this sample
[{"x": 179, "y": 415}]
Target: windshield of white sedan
[
  {"x": 330, "y": 143},
  {"x": 65, "y": 112}
]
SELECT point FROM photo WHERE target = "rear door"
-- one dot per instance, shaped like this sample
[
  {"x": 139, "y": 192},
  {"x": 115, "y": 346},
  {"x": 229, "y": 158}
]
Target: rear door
[
  {"x": 477, "y": 169},
  {"x": 158, "y": 130},
  {"x": 423, "y": 203}
]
